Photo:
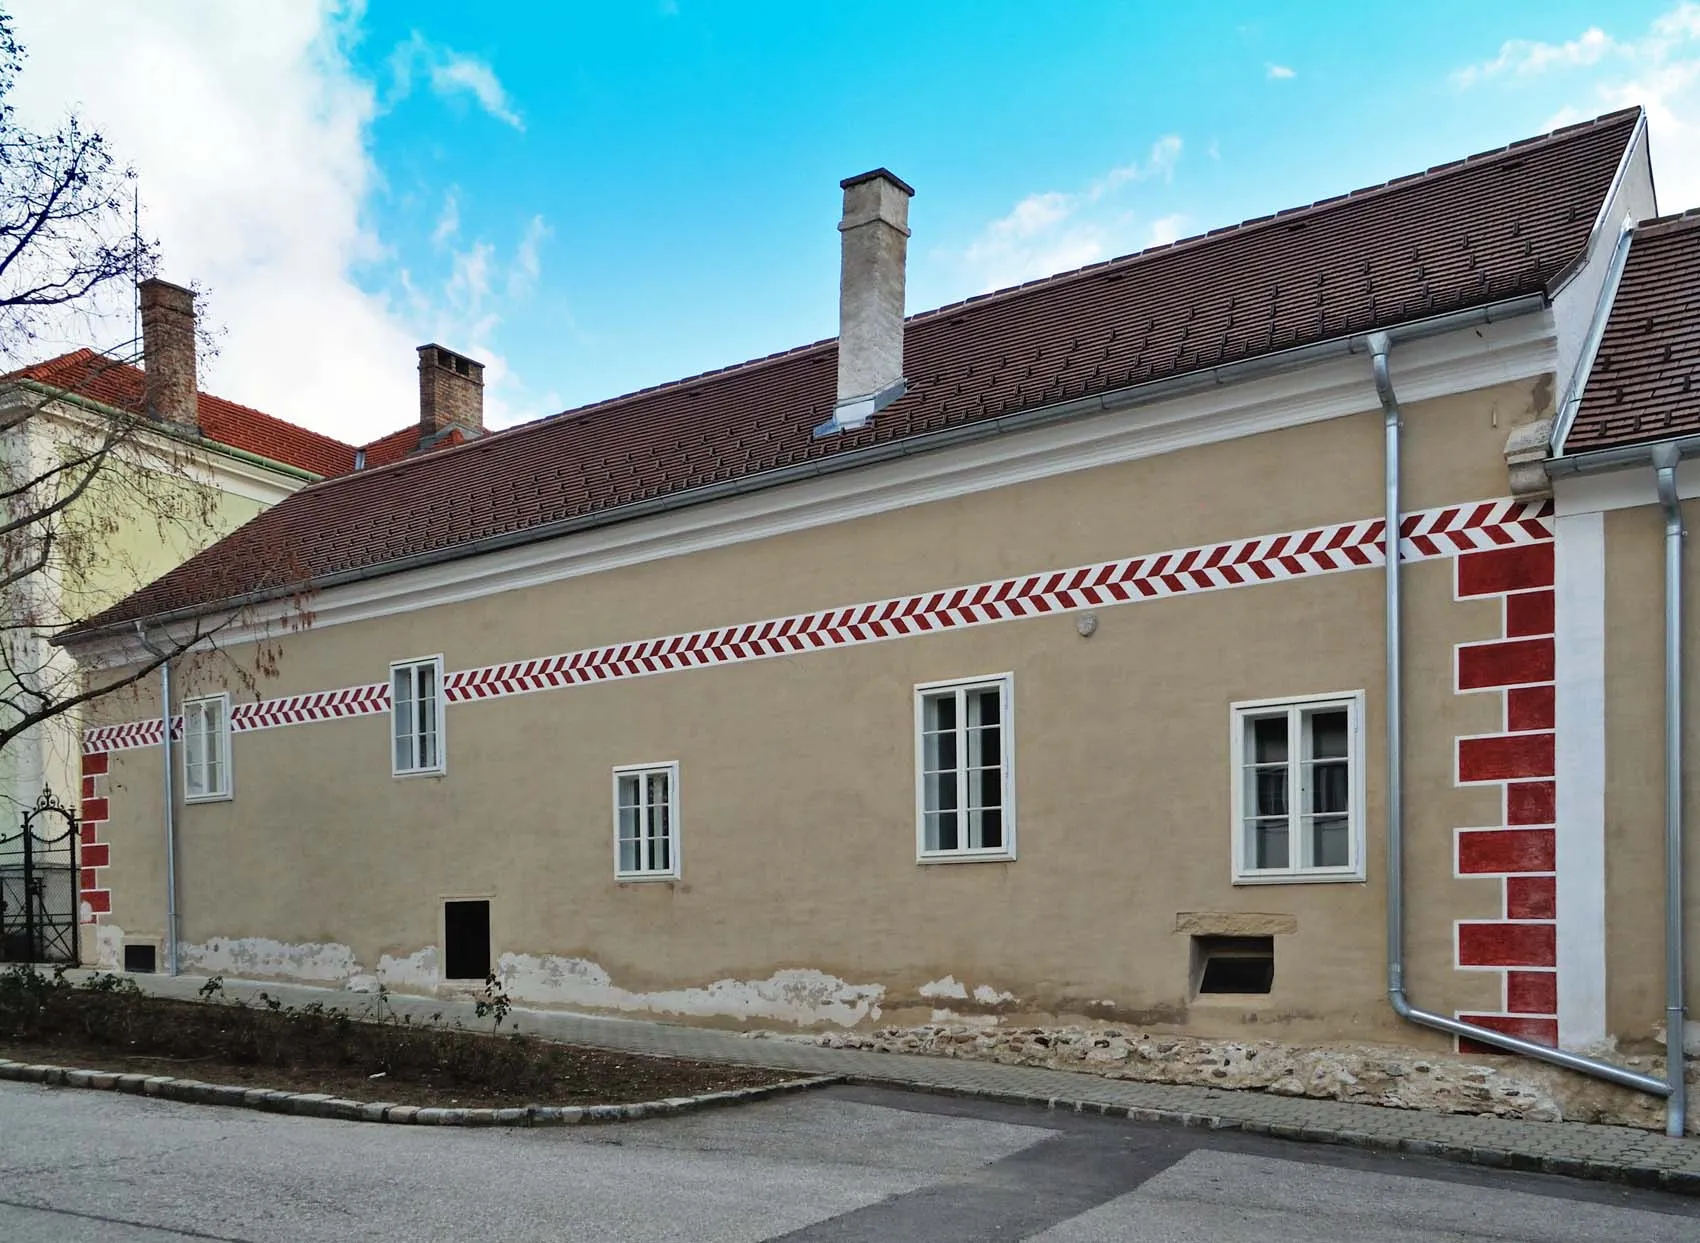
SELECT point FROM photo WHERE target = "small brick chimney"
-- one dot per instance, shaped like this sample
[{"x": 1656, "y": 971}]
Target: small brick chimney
[
  {"x": 451, "y": 394},
  {"x": 874, "y": 238},
  {"x": 168, "y": 353}
]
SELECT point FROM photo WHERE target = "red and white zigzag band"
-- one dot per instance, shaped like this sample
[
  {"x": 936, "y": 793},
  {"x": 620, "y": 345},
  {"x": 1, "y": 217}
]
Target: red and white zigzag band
[{"x": 1442, "y": 532}]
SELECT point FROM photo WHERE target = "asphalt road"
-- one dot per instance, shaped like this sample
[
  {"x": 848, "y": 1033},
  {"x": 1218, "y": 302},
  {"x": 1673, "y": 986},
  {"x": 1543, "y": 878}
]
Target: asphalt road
[{"x": 841, "y": 1164}]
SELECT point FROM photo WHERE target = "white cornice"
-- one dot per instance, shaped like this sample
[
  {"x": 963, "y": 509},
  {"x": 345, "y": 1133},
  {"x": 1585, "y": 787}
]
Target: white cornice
[
  {"x": 1456, "y": 362},
  {"x": 204, "y": 461}
]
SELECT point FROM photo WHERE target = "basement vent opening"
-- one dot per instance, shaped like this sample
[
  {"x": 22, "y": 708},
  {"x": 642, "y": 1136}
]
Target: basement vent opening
[
  {"x": 466, "y": 940},
  {"x": 141, "y": 959},
  {"x": 1234, "y": 965}
]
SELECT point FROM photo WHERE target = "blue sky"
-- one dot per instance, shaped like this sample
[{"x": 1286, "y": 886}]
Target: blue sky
[{"x": 597, "y": 197}]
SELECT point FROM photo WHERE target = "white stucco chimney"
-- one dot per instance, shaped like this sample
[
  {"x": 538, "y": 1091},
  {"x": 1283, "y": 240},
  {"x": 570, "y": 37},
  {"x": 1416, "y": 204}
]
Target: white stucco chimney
[{"x": 875, "y": 241}]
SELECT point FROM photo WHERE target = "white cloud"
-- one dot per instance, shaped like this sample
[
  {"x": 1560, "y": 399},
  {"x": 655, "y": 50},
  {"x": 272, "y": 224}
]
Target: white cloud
[
  {"x": 452, "y": 73},
  {"x": 1166, "y": 229},
  {"x": 1280, "y": 73},
  {"x": 1659, "y": 70},
  {"x": 448, "y": 222},
  {"x": 1524, "y": 57},
  {"x": 249, "y": 131},
  {"x": 1054, "y": 230},
  {"x": 527, "y": 263}
]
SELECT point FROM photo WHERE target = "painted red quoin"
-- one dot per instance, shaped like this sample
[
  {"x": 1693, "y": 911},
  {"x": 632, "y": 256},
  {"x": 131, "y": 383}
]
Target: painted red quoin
[{"x": 1519, "y": 666}]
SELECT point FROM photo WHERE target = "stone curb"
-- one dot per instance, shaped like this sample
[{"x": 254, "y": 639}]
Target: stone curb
[
  {"x": 321, "y": 1105},
  {"x": 1653, "y": 1177}
]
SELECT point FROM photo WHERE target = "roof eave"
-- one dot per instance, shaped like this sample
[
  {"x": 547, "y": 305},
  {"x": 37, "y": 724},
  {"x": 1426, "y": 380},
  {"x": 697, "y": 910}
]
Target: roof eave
[{"x": 1139, "y": 394}]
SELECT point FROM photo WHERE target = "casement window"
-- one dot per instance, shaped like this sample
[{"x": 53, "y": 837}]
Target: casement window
[
  {"x": 416, "y": 715},
  {"x": 1298, "y": 789},
  {"x": 206, "y": 749},
  {"x": 646, "y": 821},
  {"x": 965, "y": 805}
]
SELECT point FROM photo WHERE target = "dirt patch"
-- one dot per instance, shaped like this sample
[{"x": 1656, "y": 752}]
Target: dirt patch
[{"x": 365, "y": 1057}]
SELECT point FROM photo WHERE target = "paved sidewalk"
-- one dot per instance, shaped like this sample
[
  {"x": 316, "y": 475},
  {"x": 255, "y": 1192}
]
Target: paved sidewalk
[{"x": 1619, "y": 1154}]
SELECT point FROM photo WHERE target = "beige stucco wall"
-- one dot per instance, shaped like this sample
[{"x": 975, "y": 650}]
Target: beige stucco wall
[
  {"x": 1635, "y": 770},
  {"x": 797, "y": 773}
]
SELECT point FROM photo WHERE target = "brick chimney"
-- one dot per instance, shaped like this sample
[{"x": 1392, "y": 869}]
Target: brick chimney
[
  {"x": 168, "y": 353},
  {"x": 451, "y": 394},
  {"x": 874, "y": 237}
]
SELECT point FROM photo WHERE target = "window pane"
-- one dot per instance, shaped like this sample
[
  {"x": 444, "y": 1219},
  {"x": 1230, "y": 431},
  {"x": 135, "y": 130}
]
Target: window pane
[
  {"x": 947, "y": 838},
  {"x": 1331, "y": 842},
  {"x": 194, "y": 749},
  {"x": 1268, "y": 739},
  {"x": 985, "y": 787},
  {"x": 986, "y": 828},
  {"x": 984, "y": 747},
  {"x": 938, "y": 753},
  {"x": 629, "y": 792},
  {"x": 1329, "y": 787},
  {"x": 940, "y": 712},
  {"x": 1269, "y": 791},
  {"x": 401, "y": 715},
  {"x": 1328, "y": 734},
  {"x": 983, "y": 707},
  {"x": 1268, "y": 843}
]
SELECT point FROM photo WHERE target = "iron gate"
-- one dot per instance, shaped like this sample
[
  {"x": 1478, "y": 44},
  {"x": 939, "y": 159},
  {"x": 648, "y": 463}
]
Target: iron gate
[{"x": 38, "y": 886}]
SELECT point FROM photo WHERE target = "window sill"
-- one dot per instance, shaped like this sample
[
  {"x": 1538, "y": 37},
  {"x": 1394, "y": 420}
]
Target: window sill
[
  {"x": 1303, "y": 878},
  {"x": 644, "y": 878},
  {"x": 422, "y": 772},
  {"x": 191, "y": 799},
  {"x": 968, "y": 856}
]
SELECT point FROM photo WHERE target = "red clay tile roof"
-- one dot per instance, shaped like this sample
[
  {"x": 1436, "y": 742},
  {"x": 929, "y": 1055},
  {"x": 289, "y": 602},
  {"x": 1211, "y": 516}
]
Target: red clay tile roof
[
  {"x": 1645, "y": 382},
  {"x": 399, "y": 444},
  {"x": 117, "y": 384},
  {"x": 98, "y": 378},
  {"x": 1461, "y": 234}
]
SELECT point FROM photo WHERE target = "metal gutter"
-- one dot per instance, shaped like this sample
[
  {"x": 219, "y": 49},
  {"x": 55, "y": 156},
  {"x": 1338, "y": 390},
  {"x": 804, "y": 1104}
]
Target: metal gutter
[
  {"x": 1578, "y": 381},
  {"x": 170, "y": 803},
  {"x": 1601, "y": 460},
  {"x": 1665, "y": 458},
  {"x": 1602, "y": 218},
  {"x": 1381, "y": 346},
  {"x": 1080, "y": 407},
  {"x": 160, "y": 429}
]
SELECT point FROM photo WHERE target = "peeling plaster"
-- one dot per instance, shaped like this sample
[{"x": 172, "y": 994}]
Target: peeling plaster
[
  {"x": 795, "y": 995},
  {"x": 417, "y": 970},
  {"x": 989, "y": 996},
  {"x": 247, "y": 957},
  {"x": 108, "y": 945},
  {"x": 947, "y": 987}
]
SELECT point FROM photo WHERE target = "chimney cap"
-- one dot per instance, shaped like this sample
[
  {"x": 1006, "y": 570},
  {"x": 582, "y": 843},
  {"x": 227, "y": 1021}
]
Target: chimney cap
[{"x": 878, "y": 174}]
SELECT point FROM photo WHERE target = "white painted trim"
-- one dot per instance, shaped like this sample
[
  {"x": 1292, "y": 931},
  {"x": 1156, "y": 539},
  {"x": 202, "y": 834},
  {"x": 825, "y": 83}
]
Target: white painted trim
[
  {"x": 1456, "y": 362},
  {"x": 1353, "y": 702},
  {"x": 1005, "y": 682},
  {"x": 1579, "y": 554},
  {"x": 442, "y": 764},
  {"x": 673, "y": 872},
  {"x": 228, "y": 779},
  {"x": 1628, "y": 488}
]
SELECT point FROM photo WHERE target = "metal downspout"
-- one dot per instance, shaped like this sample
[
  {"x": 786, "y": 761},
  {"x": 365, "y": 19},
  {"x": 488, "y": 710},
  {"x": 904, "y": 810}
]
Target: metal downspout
[
  {"x": 1665, "y": 458},
  {"x": 170, "y": 804},
  {"x": 1380, "y": 345}
]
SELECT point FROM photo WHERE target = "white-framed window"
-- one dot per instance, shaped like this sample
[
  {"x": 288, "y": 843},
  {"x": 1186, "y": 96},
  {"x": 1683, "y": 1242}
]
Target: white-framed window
[
  {"x": 1298, "y": 789},
  {"x": 416, "y": 715},
  {"x": 206, "y": 749},
  {"x": 964, "y": 769},
  {"x": 646, "y": 821}
]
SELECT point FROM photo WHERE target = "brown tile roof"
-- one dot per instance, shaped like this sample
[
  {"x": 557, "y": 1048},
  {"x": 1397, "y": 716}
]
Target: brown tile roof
[
  {"x": 113, "y": 383},
  {"x": 1466, "y": 233},
  {"x": 117, "y": 384},
  {"x": 1645, "y": 382}
]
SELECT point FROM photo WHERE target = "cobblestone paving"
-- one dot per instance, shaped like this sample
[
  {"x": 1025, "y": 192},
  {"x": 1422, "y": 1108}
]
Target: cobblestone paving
[{"x": 1583, "y": 1150}]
